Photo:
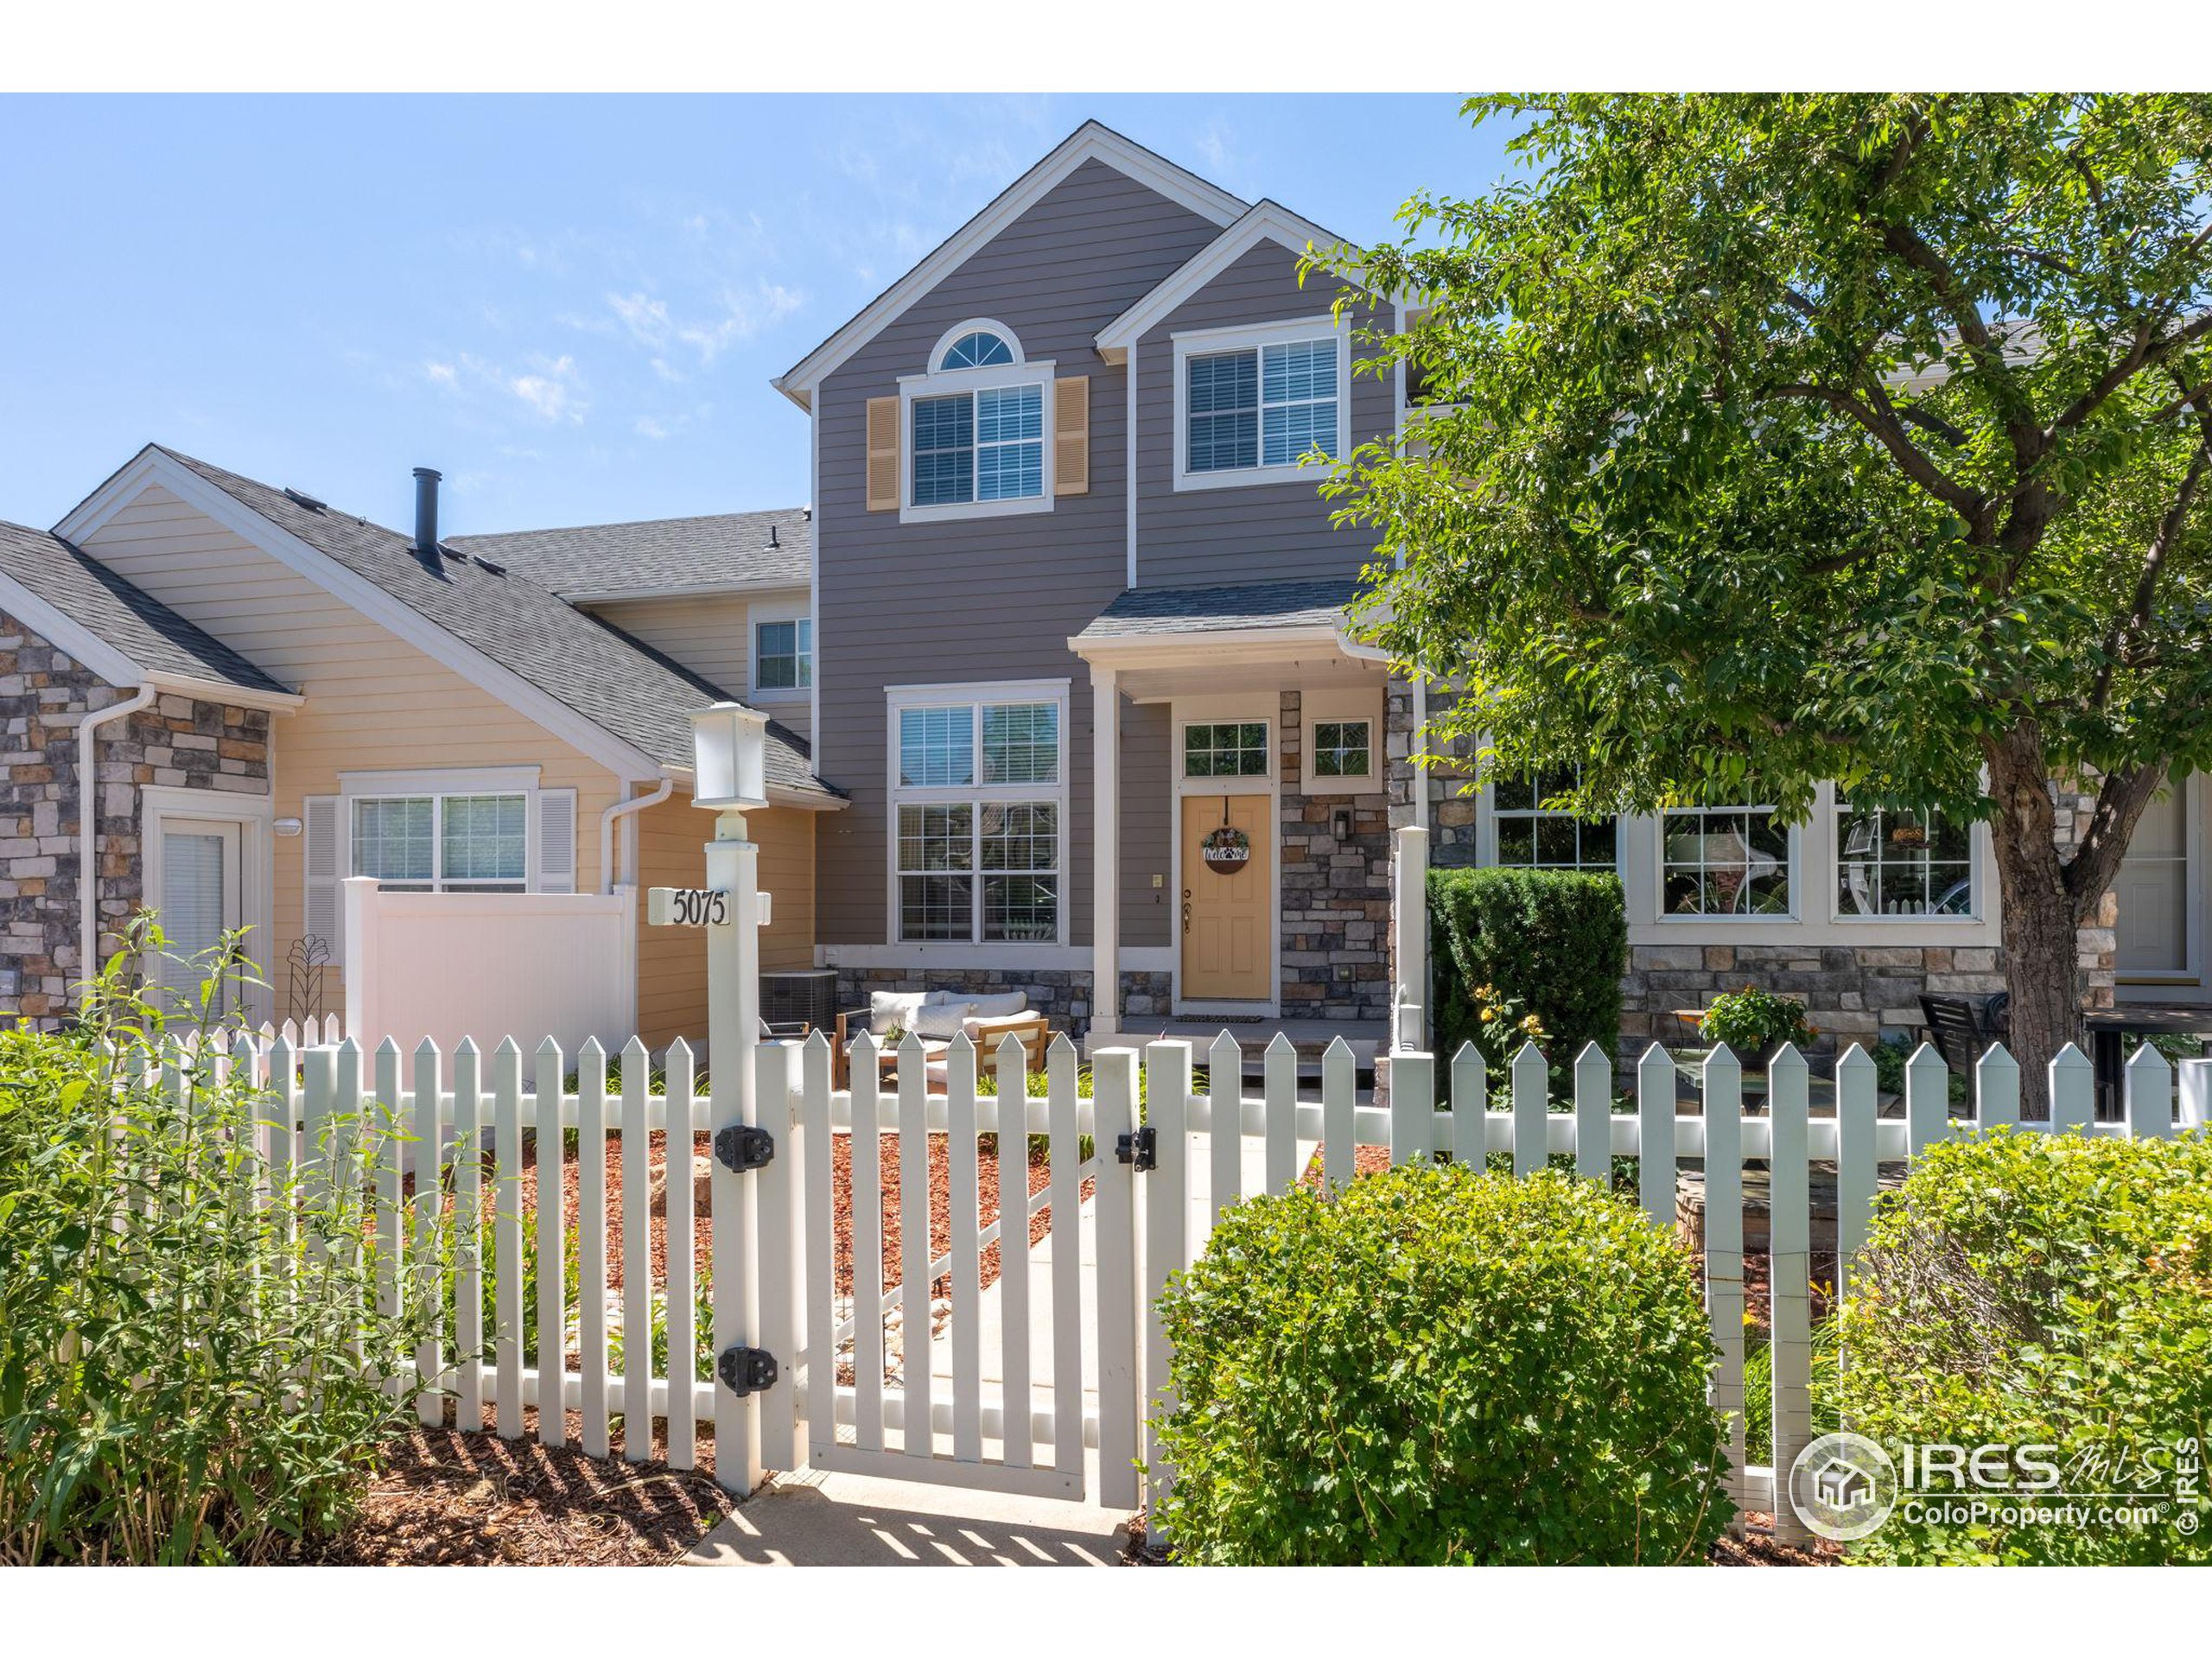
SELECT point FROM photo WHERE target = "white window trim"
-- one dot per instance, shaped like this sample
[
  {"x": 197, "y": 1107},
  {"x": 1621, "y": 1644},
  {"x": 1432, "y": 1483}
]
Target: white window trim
[
  {"x": 441, "y": 784},
  {"x": 976, "y": 694},
  {"x": 946, "y": 382},
  {"x": 1250, "y": 337},
  {"x": 1321, "y": 708},
  {"x": 798, "y": 610}
]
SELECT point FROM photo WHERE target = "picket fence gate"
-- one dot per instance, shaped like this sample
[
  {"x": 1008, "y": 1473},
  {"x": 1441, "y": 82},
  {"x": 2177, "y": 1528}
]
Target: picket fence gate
[{"x": 1158, "y": 1176}]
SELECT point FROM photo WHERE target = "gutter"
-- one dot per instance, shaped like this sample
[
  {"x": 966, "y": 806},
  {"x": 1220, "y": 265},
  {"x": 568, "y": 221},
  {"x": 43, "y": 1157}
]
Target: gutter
[
  {"x": 88, "y": 802},
  {"x": 623, "y": 809}
]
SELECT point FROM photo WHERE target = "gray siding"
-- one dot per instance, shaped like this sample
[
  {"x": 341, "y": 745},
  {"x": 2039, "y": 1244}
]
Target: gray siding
[
  {"x": 1257, "y": 532},
  {"x": 989, "y": 599},
  {"x": 1147, "y": 827}
]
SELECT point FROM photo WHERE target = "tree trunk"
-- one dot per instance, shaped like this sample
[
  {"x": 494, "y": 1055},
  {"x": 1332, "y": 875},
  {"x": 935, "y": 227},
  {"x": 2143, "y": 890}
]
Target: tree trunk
[{"x": 2042, "y": 960}]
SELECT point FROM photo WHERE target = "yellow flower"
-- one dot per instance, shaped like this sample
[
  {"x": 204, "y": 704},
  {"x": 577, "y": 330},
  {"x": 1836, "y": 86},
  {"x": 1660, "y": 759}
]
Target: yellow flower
[{"x": 1533, "y": 1025}]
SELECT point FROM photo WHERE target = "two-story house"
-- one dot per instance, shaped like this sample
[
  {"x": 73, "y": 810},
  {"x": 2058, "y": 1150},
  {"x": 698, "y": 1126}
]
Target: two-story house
[
  {"x": 1084, "y": 674},
  {"x": 1081, "y": 668}
]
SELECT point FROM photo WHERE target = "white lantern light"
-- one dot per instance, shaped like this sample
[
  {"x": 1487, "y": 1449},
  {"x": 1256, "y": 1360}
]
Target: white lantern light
[{"x": 729, "y": 759}]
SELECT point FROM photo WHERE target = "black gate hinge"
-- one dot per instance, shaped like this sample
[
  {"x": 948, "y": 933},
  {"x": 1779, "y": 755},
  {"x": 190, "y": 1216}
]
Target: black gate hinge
[
  {"x": 1141, "y": 1149},
  {"x": 746, "y": 1370},
  {"x": 742, "y": 1148}
]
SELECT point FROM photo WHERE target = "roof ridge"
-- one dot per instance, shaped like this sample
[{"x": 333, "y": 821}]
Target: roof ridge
[{"x": 803, "y": 508}]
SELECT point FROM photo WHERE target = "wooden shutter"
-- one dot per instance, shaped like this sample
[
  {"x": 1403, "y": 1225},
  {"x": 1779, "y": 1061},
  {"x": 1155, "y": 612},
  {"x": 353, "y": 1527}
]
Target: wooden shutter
[
  {"x": 883, "y": 454},
  {"x": 1071, "y": 436},
  {"x": 556, "y": 841},
  {"x": 321, "y": 914}
]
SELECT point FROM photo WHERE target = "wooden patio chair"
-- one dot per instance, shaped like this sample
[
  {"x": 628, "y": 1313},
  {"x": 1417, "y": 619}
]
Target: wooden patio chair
[
  {"x": 1961, "y": 1027},
  {"x": 1034, "y": 1029}
]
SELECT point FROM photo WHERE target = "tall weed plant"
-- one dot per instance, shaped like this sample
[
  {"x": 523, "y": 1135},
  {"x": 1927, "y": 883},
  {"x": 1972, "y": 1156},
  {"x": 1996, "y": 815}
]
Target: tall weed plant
[{"x": 190, "y": 1338}]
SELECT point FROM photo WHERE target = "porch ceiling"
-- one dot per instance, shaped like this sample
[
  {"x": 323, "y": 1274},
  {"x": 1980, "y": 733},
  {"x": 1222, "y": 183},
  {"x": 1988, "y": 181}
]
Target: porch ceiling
[{"x": 1205, "y": 671}]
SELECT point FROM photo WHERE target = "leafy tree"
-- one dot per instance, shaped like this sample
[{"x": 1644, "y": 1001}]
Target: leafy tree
[{"x": 1786, "y": 438}]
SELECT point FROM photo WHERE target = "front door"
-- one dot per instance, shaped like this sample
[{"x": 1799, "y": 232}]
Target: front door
[
  {"x": 199, "y": 902},
  {"x": 1228, "y": 915}
]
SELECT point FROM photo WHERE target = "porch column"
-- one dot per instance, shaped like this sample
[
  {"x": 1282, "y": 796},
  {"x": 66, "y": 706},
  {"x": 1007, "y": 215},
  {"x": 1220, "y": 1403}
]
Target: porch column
[{"x": 1105, "y": 852}]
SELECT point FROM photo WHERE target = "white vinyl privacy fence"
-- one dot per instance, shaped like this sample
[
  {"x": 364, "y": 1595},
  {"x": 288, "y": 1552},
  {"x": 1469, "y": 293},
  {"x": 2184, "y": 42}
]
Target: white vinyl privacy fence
[{"x": 814, "y": 1338}]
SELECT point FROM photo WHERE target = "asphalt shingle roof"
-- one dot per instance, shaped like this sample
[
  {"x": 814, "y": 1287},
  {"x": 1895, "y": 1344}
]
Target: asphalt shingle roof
[
  {"x": 1212, "y": 610},
  {"x": 615, "y": 682},
  {"x": 726, "y": 549},
  {"x": 134, "y": 622}
]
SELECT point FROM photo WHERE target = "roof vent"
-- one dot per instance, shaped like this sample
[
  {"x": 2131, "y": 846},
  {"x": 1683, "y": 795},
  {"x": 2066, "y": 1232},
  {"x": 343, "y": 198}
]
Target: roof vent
[
  {"x": 426, "y": 511},
  {"x": 806, "y": 512},
  {"x": 483, "y": 563},
  {"x": 304, "y": 500},
  {"x": 773, "y": 541}
]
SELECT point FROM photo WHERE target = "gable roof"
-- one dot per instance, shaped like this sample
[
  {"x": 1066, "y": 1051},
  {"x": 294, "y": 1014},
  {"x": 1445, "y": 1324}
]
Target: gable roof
[
  {"x": 660, "y": 557},
  {"x": 145, "y": 635},
  {"x": 1265, "y": 221},
  {"x": 613, "y": 682},
  {"x": 1090, "y": 142}
]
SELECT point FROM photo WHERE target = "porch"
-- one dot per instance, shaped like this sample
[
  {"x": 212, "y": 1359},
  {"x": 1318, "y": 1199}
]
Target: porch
[{"x": 1260, "y": 814}]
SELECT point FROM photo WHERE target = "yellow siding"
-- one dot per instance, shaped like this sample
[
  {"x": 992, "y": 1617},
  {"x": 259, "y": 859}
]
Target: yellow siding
[
  {"x": 713, "y": 637},
  {"x": 373, "y": 702},
  {"x": 672, "y": 961}
]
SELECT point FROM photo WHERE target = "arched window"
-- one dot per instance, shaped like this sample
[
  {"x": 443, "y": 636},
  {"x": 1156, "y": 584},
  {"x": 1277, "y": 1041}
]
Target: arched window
[{"x": 980, "y": 349}]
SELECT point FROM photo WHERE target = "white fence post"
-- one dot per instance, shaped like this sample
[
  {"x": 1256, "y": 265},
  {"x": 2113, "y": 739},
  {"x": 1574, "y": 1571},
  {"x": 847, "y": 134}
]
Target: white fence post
[
  {"x": 2196, "y": 1079},
  {"x": 1113, "y": 1081},
  {"x": 361, "y": 962},
  {"x": 1409, "y": 926},
  {"x": 1167, "y": 1237},
  {"x": 1723, "y": 1253},
  {"x": 2150, "y": 1093},
  {"x": 1789, "y": 1265}
]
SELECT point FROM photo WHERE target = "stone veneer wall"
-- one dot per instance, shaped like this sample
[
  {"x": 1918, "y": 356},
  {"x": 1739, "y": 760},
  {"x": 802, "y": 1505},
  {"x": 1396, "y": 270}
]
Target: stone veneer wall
[
  {"x": 1335, "y": 891},
  {"x": 1061, "y": 993},
  {"x": 174, "y": 741}
]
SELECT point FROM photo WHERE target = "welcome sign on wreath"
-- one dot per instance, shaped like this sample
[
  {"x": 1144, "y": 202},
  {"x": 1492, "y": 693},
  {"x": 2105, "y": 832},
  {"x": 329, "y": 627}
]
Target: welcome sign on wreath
[{"x": 1226, "y": 850}]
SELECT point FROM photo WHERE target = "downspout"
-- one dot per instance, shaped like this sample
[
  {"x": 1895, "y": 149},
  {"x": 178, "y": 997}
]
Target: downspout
[
  {"x": 623, "y": 809},
  {"x": 88, "y": 805}
]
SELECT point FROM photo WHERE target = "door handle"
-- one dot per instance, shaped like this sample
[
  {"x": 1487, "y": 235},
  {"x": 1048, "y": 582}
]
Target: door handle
[{"x": 1186, "y": 916}]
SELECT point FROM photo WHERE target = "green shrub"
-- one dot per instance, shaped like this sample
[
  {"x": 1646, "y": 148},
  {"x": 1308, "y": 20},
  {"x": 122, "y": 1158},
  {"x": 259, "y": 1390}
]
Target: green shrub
[
  {"x": 180, "y": 1378},
  {"x": 1441, "y": 1366},
  {"x": 2023, "y": 1289},
  {"x": 1553, "y": 943}
]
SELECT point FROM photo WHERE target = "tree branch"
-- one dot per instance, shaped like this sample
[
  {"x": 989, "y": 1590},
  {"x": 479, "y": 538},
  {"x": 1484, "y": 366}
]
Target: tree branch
[
  {"x": 1889, "y": 431},
  {"x": 2139, "y": 356},
  {"x": 2120, "y": 800},
  {"x": 2137, "y": 615}
]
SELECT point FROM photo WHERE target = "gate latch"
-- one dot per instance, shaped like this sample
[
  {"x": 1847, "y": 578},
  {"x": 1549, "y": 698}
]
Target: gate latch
[
  {"x": 746, "y": 1370},
  {"x": 743, "y": 1148},
  {"x": 1140, "y": 1150}
]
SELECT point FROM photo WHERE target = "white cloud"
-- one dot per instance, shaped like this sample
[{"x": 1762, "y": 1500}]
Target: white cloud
[
  {"x": 742, "y": 314},
  {"x": 552, "y": 390},
  {"x": 441, "y": 374},
  {"x": 647, "y": 427}
]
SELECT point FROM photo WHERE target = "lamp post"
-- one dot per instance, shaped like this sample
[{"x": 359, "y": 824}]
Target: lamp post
[{"x": 729, "y": 779}]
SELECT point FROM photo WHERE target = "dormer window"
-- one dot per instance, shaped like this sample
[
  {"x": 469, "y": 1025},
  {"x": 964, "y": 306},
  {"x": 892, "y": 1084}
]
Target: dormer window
[{"x": 981, "y": 349}]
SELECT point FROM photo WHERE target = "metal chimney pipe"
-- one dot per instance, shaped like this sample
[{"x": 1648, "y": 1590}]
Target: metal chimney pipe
[{"x": 426, "y": 511}]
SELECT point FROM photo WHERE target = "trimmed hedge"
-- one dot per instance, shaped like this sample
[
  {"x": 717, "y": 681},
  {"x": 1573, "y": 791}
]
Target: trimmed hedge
[
  {"x": 1555, "y": 941},
  {"x": 2049, "y": 1291},
  {"x": 1439, "y": 1366}
]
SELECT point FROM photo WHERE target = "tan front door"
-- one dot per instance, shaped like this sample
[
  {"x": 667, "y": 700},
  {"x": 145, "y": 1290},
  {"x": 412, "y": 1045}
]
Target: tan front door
[{"x": 1228, "y": 919}]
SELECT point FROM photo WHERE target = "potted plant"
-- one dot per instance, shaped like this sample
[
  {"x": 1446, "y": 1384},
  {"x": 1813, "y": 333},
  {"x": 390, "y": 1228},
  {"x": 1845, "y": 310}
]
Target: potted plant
[{"x": 1755, "y": 1024}]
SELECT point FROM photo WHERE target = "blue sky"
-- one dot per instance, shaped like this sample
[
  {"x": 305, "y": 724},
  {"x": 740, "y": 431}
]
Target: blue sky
[{"x": 571, "y": 306}]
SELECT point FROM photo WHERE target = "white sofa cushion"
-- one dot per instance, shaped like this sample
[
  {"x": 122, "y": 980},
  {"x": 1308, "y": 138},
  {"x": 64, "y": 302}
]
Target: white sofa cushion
[
  {"x": 889, "y": 1011},
  {"x": 942, "y": 1019},
  {"x": 999, "y": 1005},
  {"x": 986, "y": 1032}
]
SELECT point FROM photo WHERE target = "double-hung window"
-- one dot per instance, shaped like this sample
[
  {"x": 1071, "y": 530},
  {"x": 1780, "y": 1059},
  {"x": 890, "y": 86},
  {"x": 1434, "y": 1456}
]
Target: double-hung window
[
  {"x": 975, "y": 429},
  {"x": 980, "y": 799},
  {"x": 1253, "y": 407},
  {"x": 783, "y": 655},
  {"x": 442, "y": 843}
]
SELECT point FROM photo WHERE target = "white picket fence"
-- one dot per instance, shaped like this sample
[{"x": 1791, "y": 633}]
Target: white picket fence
[{"x": 1079, "y": 1360}]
